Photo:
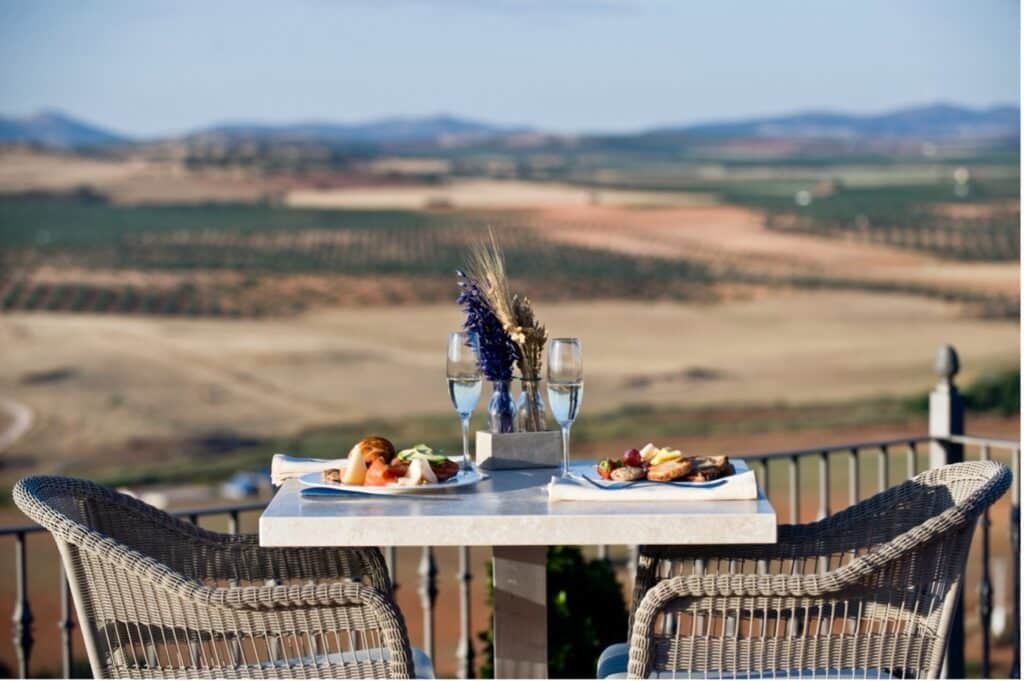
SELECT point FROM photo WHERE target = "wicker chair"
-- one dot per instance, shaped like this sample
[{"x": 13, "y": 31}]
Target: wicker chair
[
  {"x": 158, "y": 597},
  {"x": 868, "y": 592}
]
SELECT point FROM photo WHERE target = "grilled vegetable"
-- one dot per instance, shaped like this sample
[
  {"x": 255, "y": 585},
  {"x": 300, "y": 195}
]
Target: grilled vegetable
[{"x": 606, "y": 466}]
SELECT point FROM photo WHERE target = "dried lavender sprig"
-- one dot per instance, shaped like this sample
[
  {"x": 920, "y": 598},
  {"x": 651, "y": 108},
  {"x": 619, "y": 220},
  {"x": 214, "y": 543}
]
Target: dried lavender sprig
[{"x": 495, "y": 351}]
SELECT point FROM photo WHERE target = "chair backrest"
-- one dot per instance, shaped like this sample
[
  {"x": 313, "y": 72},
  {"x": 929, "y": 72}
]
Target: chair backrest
[
  {"x": 134, "y": 572},
  {"x": 871, "y": 588}
]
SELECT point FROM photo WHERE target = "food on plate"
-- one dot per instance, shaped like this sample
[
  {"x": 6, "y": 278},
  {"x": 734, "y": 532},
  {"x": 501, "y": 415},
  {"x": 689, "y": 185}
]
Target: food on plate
[
  {"x": 355, "y": 468},
  {"x": 647, "y": 452},
  {"x": 422, "y": 451},
  {"x": 606, "y": 466},
  {"x": 419, "y": 473},
  {"x": 710, "y": 468},
  {"x": 664, "y": 464},
  {"x": 373, "y": 461},
  {"x": 628, "y": 473},
  {"x": 375, "y": 447},
  {"x": 331, "y": 475},
  {"x": 442, "y": 467},
  {"x": 445, "y": 470},
  {"x": 669, "y": 470},
  {"x": 381, "y": 473},
  {"x": 664, "y": 455}
]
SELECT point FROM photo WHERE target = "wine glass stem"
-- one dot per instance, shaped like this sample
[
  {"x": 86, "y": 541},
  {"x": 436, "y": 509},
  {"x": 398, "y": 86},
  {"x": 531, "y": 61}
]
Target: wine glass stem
[
  {"x": 565, "y": 450},
  {"x": 465, "y": 442}
]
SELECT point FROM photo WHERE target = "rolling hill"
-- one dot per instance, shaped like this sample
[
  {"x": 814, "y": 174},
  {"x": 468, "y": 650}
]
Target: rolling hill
[
  {"x": 56, "y": 130},
  {"x": 425, "y": 133},
  {"x": 937, "y": 121}
]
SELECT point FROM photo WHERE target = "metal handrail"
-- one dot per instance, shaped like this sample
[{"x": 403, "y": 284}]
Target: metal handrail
[
  {"x": 23, "y": 618},
  {"x": 188, "y": 513},
  {"x": 980, "y": 441},
  {"x": 846, "y": 447}
]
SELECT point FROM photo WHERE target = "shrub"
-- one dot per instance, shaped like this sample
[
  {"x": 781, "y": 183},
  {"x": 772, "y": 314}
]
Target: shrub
[
  {"x": 998, "y": 392},
  {"x": 586, "y": 613}
]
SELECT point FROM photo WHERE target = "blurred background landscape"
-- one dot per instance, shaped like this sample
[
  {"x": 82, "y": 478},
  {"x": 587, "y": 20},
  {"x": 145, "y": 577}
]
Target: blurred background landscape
[{"x": 226, "y": 235}]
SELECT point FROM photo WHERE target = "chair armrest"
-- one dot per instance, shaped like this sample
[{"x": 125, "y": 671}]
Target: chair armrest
[
  {"x": 316, "y": 563},
  {"x": 215, "y": 556},
  {"x": 731, "y": 588}
]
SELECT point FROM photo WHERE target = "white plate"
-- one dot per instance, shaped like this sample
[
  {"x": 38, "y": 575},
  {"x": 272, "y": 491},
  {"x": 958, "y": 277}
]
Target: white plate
[
  {"x": 590, "y": 475},
  {"x": 463, "y": 478}
]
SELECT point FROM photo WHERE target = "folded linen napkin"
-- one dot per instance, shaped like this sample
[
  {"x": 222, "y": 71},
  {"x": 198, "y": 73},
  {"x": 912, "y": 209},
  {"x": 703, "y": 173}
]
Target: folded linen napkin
[
  {"x": 586, "y": 485},
  {"x": 284, "y": 467}
]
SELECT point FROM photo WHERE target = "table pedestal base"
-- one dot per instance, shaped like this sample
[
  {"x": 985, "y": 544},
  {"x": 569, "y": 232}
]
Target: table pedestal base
[{"x": 520, "y": 612}]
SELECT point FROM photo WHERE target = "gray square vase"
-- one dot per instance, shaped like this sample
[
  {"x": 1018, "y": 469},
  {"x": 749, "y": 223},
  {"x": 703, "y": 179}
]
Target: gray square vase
[{"x": 495, "y": 451}]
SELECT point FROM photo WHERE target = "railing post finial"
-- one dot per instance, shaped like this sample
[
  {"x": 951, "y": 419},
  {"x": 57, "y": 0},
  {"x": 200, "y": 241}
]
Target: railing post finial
[
  {"x": 945, "y": 411},
  {"x": 947, "y": 364}
]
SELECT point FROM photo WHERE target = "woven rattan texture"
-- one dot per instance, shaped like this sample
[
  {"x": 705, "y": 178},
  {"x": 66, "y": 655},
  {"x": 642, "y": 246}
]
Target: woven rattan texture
[
  {"x": 870, "y": 589},
  {"x": 163, "y": 598}
]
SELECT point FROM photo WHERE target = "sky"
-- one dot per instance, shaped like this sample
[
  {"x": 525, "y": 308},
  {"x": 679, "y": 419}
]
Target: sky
[{"x": 154, "y": 68}]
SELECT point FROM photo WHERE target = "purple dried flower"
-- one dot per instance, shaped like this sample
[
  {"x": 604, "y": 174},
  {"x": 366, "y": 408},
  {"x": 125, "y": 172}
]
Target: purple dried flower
[{"x": 495, "y": 351}]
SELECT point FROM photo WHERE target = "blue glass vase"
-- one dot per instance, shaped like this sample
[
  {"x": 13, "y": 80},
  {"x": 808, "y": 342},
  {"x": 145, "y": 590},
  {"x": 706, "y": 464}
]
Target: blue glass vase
[{"x": 501, "y": 410}]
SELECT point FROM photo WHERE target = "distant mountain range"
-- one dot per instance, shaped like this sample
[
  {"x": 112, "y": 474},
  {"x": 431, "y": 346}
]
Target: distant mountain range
[
  {"x": 54, "y": 129},
  {"x": 939, "y": 121},
  {"x": 382, "y": 131}
]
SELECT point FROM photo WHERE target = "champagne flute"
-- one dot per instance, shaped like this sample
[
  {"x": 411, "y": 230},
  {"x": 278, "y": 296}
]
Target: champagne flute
[
  {"x": 464, "y": 383},
  {"x": 565, "y": 387}
]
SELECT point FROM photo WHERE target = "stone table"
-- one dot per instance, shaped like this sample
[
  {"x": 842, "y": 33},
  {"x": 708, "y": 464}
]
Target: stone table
[{"x": 510, "y": 513}]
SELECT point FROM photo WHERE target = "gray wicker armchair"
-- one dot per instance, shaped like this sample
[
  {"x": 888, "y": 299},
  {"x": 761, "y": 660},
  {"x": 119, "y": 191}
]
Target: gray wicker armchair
[
  {"x": 868, "y": 592},
  {"x": 158, "y": 597}
]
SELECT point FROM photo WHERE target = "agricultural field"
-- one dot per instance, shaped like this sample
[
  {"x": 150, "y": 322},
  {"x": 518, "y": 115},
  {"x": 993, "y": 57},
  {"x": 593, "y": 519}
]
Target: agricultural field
[
  {"x": 128, "y": 389},
  {"x": 263, "y": 302},
  {"x": 167, "y": 324}
]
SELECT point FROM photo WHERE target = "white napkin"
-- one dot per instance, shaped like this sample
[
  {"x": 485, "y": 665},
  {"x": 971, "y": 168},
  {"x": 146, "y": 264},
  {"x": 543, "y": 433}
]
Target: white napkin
[
  {"x": 284, "y": 467},
  {"x": 740, "y": 485}
]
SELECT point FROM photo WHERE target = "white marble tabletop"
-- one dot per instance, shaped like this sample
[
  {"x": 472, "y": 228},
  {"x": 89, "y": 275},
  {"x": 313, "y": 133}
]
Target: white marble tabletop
[{"x": 510, "y": 508}]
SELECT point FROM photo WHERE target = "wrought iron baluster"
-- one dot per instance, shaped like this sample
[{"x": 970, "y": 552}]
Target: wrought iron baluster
[
  {"x": 234, "y": 644},
  {"x": 794, "y": 490},
  {"x": 428, "y": 596},
  {"x": 883, "y": 468},
  {"x": 1015, "y": 549},
  {"x": 911, "y": 460},
  {"x": 824, "y": 506},
  {"x": 764, "y": 476},
  {"x": 985, "y": 590},
  {"x": 464, "y": 652},
  {"x": 22, "y": 618},
  {"x": 65, "y": 624}
]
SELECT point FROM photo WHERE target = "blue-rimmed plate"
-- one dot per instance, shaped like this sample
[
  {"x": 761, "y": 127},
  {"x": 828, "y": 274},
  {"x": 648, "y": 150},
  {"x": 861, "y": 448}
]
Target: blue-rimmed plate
[
  {"x": 589, "y": 476},
  {"x": 464, "y": 478}
]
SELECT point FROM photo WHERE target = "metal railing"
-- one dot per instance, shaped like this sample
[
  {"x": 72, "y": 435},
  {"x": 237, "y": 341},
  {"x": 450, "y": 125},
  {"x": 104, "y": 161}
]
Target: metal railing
[
  {"x": 24, "y": 620},
  {"x": 785, "y": 491},
  {"x": 944, "y": 444}
]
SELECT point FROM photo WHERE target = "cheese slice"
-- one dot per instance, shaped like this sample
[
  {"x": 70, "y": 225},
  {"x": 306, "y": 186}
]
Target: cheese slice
[{"x": 648, "y": 451}]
